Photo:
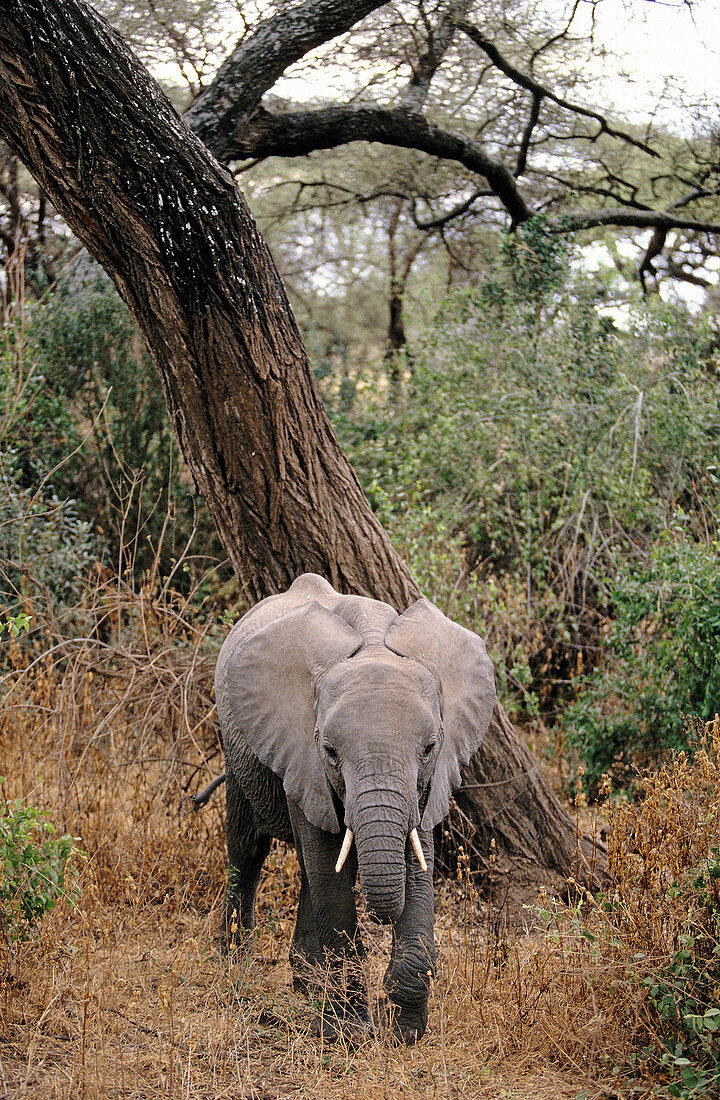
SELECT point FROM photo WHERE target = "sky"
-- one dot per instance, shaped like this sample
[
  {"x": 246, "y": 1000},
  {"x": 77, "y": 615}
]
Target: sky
[{"x": 664, "y": 41}]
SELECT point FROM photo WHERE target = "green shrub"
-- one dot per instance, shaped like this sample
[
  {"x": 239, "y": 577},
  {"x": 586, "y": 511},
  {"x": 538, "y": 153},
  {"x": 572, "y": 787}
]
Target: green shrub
[
  {"x": 534, "y": 450},
  {"x": 34, "y": 871},
  {"x": 124, "y": 472},
  {"x": 661, "y": 662},
  {"x": 685, "y": 998},
  {"x": 46, "y": 553},
  {"x": 89, "y": 463}
]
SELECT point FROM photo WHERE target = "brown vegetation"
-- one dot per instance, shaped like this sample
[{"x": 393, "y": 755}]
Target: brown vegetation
[{"x": 126, "y": 995}]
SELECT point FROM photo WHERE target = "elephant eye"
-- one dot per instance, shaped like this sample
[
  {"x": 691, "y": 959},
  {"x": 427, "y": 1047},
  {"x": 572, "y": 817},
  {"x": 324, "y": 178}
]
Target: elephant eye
[
  {"x": 427, "y": 751},
  {"x": 331, "y": 754}
]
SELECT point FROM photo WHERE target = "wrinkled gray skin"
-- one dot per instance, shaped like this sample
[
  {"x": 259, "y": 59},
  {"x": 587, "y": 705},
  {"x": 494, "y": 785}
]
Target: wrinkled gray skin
[{"x": 336, "y": 712}]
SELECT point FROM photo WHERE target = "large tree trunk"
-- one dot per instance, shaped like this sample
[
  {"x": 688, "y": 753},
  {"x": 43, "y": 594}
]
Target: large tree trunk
[{"x": 167, "y": 223}]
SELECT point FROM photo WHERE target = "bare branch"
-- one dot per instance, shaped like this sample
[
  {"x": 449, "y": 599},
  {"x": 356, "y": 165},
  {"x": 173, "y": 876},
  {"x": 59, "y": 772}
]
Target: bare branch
[
  {"x": 631, "y": 219},
  {"x": 597, "y": 188},
  {"x": 654, "y": 248},
  {"x": 678, "y": 271},
  {"x": 537, "y": 89},
  {"x": 561, "y": 35},
  {"x": 456, "y": 212},
  {"x": 439, "y": 41},
  {"x": 300, "y": 133},
  {"x": 692, "y": 196},
  {"x": 527, "y": 133}
]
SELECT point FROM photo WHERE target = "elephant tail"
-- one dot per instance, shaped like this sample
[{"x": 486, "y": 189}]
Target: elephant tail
[{"x": 205, "y": 794}]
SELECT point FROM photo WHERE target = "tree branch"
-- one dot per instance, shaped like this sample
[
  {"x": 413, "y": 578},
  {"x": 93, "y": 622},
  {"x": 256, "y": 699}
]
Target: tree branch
[
  {"x": 450, "y": 215},
  {"x": 257, "y": 63},
  {"x": 439, "y": 41},
  {"x": 530, "y": 85},
  {"x": 303, "y": 132},
  {"x": 573, "y": 185},
  {"x": 527, "y": 133},
  {"x": 680, "y": 272},
  {"x": 654, "y": 249},
  {"x": 630, "y": 219}
]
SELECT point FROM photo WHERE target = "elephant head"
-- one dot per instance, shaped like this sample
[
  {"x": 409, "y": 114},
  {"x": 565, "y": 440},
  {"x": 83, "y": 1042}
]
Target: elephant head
[{"x": 366, "y": 715}]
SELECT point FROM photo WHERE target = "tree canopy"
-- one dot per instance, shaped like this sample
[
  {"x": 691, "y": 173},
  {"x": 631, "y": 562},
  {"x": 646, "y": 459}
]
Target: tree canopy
[
  {"x": 441, "y": 122},
  {"x": 506, "y": 103}
]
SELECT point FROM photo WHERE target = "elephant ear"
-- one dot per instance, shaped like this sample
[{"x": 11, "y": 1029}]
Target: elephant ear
[
  {"x": 264, "y": 685},
  {"x": 459, "y": 659}
]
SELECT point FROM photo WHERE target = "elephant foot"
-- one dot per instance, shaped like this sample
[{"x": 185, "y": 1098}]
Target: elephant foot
[
  {"x": 333, "y": 1025},
  {"x": 403, "y": 1026}
]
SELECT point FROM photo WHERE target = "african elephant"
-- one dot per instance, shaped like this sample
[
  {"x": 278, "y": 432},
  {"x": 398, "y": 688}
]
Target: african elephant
[{"x": 338, "y": 714}]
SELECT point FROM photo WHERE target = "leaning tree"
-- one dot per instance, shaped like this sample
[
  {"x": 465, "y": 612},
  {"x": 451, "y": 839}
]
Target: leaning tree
[{"x": 146, "y": 196}]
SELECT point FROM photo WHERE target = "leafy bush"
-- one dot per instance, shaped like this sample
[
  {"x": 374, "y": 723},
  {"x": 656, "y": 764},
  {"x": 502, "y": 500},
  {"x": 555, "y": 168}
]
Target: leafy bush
[
  {"x": 89, "y": 463},
  {"x": 685, "y": 998},
  {"x": 125, "y": 469},
  {"x": 537, "y": 262},
  {"x": 662, "y": 661},
  {"x": 46, "y": 544},
  {"x": 46, "y": 553},
  {"x": 33, "y": 867}
]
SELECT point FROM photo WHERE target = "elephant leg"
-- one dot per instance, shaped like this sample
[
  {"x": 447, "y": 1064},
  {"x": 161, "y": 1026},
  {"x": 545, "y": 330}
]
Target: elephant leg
[
  {"x": 327, "y": 932},
  {"x": 247, "y": 851},
  {"x": 306, "y": 956},
  {"x": 412, "y": 962}
]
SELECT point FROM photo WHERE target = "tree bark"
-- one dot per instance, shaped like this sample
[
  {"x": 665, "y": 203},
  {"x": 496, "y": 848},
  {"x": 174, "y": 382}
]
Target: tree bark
[
  {"x": 167, "y": 223},
  {"x": 519, "y": 825}
]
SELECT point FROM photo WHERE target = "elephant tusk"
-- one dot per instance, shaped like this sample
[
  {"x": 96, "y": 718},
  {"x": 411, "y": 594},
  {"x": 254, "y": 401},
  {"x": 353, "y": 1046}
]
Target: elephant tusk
[
  {"x": 417, "y": 849},
  {"x": 346, "y": 846}
]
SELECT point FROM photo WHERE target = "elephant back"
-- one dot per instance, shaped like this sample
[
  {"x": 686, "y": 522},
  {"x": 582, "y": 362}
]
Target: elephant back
[
  {"x": 306, "y": 589},
  {"x": 273, "y": 659},
  {"x": 370, "y": 618},
  {"x": 264, "y": 686}
]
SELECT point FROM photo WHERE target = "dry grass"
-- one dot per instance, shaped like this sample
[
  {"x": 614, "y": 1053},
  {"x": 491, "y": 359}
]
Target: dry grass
[
  {"x": 131, "y": 1000},
  {"x": 125, "y": 995}
]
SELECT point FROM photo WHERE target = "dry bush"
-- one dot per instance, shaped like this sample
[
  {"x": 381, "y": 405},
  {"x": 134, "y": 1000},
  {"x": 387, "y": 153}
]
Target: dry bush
[
  {"x": 628, "y": 984},
  {"x": 110, "y": 729},
  {"x": 661, "y": 844}
]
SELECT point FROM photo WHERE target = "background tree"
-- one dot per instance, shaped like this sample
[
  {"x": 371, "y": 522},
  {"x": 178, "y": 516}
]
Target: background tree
[
  {"x": 501, "y": 106},
  {"x": 454, "y": 84}
]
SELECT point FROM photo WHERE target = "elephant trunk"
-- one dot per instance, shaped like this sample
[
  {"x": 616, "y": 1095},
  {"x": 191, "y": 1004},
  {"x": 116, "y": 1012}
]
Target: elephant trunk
[{"x": 382, "y": 821}]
